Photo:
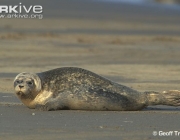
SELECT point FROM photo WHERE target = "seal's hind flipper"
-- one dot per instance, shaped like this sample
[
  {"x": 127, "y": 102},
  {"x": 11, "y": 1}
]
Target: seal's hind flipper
[{"x": 171, "y": 98}]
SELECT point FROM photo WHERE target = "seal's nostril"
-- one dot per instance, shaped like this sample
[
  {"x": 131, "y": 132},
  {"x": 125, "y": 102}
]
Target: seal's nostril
[{"x": 20, "y": 86}]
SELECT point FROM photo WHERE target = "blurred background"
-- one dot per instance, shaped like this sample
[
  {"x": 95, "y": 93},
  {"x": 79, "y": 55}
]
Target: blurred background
[{"x": 119, "y": 39}]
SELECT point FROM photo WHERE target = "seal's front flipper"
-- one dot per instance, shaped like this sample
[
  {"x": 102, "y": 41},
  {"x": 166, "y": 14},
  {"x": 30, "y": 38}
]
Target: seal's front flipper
[{"x": 45, "y": 107}]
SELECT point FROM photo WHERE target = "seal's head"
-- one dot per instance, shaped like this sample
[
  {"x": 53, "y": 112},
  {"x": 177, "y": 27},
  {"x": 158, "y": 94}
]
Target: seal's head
[{"x": 27, "y": 85}]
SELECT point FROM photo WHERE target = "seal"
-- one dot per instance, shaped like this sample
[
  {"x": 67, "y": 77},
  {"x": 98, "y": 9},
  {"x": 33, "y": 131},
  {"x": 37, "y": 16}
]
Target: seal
[{"x": 79, "y": 89}]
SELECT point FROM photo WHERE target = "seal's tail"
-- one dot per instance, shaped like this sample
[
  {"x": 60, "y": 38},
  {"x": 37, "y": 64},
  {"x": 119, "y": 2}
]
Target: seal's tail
[{"x": 171, "y": 98}]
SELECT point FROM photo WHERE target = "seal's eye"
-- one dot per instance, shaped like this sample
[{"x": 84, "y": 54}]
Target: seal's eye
[
  {"x": 29, "y": 83},
  {"x": 18, "y": 81}
]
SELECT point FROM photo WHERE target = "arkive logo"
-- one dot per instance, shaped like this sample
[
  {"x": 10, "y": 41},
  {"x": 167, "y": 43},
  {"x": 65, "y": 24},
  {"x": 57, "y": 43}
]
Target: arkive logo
[{"x": 8, "y": 9}]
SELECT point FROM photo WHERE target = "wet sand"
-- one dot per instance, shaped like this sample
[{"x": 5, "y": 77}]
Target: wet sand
[{"x": 134, "y": 45}]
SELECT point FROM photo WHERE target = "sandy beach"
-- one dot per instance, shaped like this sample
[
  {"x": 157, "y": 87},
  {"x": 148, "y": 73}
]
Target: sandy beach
[{"x": 137, "y": 45}]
